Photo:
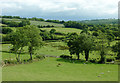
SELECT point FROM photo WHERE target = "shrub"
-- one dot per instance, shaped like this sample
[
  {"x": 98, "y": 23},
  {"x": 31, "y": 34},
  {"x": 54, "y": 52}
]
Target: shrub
[
  {"x": 10, "y": 61},
  {"x": 39, "y": 57},
  {"x": 93, "y": 60},
  {"x": 6, "y": 30},
  {"x": 109, "y": 59},
  {"x": 65, "y": 56}
]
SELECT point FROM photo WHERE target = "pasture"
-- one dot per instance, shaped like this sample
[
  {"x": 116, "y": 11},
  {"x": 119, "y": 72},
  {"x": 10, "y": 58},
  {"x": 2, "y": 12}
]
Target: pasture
[{"x": 47, "y": 70}]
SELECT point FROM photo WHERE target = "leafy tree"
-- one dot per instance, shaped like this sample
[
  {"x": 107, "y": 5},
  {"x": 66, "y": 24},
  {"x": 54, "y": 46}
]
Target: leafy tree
[
  {"x": 24, "y": 23},
  {"x": 25, "y": 36},
  {"x": 116, "y": 48},
  {"x": 102, "y": 46},
  {"x": 35, "y": 40},
  {"x": 83, "y": 42},
  {"x": 18, "y": 39}
]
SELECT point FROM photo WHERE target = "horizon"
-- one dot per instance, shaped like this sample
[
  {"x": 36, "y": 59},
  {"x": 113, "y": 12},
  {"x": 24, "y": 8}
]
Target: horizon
[{"x": 65, "y": 20}]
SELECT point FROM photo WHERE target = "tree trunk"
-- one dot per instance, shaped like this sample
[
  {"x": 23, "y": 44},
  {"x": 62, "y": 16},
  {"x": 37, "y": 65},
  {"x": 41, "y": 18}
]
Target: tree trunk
[
  {"x": 102, "y": 57},
  {"x": 78, "y": 57},
  {"x": 19, "y": 54},
  {"x": 86, "y": 55},
  {"x": 30, "y": 56},
  {"x": 30, "y": 51}
]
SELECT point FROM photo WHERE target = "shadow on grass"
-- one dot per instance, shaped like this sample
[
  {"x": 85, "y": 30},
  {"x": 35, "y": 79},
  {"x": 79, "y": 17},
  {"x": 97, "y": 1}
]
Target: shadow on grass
[{"x": 74, "y": 61}]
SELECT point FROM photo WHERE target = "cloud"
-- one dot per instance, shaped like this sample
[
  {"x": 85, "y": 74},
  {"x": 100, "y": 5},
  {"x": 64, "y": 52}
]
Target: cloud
[{"x": 61, "y": 8}]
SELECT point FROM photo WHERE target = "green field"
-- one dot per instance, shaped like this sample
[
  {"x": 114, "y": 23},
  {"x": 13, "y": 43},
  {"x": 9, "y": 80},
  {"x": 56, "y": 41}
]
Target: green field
[
  {"x": 64, "y": 30},
  {"x": 47, "y": 70}
]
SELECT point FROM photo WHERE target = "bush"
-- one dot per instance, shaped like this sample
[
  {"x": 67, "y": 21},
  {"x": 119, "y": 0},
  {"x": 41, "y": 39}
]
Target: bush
[
  {"x": 93, "y": 60},
  {"x": 6, "y": 30},
  {"x": 39, "y": 57},
  {"x": 10, "y": 61},
  {"x": 65, "y": 56},
  {"x": 109, "y": 60}
]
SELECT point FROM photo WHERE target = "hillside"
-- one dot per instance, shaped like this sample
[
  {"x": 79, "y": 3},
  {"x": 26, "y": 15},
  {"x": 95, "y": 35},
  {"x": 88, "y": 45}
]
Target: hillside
[{"x": 100, "y": 21}]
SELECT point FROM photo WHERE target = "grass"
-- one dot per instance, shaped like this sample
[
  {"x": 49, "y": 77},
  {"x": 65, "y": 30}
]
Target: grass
[
  {"x": 64, "y": 30},
  {"x": 47, "y": 70}
]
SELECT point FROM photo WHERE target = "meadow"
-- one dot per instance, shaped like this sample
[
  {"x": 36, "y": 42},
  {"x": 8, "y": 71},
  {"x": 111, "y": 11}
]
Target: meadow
[{"x": 47, "y": 69}]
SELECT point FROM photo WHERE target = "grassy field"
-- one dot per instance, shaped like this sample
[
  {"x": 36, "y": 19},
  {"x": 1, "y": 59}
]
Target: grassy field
[
  {"x": 47, "y": 70},
  {"x": 64, "y": 30}
]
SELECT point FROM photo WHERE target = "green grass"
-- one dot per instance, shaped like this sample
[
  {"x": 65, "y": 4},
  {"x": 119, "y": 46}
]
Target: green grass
[
  {"x": 47, "y": 70},
  {"x": 64, "y": 30}
]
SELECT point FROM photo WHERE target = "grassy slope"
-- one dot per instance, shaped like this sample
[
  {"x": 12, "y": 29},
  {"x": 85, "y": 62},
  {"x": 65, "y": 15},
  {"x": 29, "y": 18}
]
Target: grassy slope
[
  {"x": 46, "y": 70},
  {"x": 64, "y": 30}
]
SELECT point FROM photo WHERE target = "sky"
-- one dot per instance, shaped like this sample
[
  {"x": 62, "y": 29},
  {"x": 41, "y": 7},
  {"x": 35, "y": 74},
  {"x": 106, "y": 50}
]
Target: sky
[{"x": 61, "y": 9}]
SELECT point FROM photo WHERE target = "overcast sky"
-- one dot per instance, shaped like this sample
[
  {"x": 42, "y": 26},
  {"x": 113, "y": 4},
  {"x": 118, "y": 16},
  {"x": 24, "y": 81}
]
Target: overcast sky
[{"x": 61, "y": 9}]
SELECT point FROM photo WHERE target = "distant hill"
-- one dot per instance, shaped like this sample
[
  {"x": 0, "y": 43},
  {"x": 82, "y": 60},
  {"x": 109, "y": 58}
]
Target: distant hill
[{"x": 100, "y": 21}]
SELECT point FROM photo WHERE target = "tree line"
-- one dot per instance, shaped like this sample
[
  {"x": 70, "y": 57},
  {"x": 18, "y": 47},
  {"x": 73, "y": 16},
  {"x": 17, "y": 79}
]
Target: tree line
[
  {"x": 16, "y": 24},
  {"x": 33, "y": 19}
]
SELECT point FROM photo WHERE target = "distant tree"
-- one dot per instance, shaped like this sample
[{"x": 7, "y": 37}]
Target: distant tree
[
  {"x": 6, "y": 30},
  {"x": 85, "y": 30},
  {"x": 45, "y": 35},
  {"x": 52, "y": 31},
  {"x": 24, "y": 23},
  {"x": 95, "y": 33}
]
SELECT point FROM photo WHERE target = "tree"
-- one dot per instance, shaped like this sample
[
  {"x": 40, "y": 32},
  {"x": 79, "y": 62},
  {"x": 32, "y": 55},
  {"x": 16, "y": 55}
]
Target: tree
[
  {"x": 18, "y": 39},
  {"x": 52, "y": 31},
  {"x": 95, "y": 33},
  {"x": 83, "y": 42},
  {"x": 24, "y": 23},
  {"x": 102, "y": 46},
  {"x": 116, "y": 48},
  {"x": 6, "y": 30},
  {"x": 35, "y": 40},
  {"x": 25, "y": 36}
]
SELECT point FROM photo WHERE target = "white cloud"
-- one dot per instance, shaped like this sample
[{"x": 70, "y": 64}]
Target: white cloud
[{"x": 79, "y": 7}]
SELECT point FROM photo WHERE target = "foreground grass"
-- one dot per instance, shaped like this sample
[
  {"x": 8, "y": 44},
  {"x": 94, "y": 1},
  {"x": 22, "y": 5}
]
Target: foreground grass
[{"x": 47, "y": 70}]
